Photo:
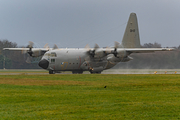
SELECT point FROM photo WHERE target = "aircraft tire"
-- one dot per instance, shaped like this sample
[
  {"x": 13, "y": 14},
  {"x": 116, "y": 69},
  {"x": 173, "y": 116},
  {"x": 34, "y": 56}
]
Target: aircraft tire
[
  {"x": 95, "y": 72},
  {"x": 51, "y": 72}
]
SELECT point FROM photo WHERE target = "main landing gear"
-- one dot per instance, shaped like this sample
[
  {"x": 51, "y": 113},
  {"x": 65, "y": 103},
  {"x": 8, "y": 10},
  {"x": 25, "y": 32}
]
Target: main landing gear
[
  {"x": 95, "y": 72},
  {"x": 51, "y": 72}
]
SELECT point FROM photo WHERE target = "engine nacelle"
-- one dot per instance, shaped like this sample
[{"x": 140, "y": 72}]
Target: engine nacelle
[
  {"x": 115, "y": 59},
  {"x": 126, "y": 59},
  {"x": 35, "y": 53},
  {"x": 121, "y": 53},
  {"x": 99, "y": 53}
]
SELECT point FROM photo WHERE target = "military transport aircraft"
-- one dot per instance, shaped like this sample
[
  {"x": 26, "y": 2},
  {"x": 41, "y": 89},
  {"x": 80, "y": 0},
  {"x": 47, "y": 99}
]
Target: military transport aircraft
[{"x": 94, "y": 60}]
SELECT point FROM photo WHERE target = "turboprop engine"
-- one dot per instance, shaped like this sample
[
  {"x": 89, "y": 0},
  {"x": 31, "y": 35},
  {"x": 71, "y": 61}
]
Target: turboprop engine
[
  {"x": 35, "y": 53},
  {"x": 115, "y": 59},
  {"x": 96, "y": 52},
  {"x": 120, "y": 53},
  {"x": 99, "y": 53}
]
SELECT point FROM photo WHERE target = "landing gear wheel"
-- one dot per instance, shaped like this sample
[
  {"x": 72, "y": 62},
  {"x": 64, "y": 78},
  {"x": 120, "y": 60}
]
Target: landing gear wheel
[
  {"x": 51, "y": 72},
  {"x": 95, "y": 72}
]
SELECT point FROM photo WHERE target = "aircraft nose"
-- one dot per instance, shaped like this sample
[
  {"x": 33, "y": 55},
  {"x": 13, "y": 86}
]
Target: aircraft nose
[{"x": 43, "y": 64}]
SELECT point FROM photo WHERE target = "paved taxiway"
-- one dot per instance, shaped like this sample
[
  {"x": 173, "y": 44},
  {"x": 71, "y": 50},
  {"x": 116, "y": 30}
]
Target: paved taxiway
[{"x": 111, "y": 71}]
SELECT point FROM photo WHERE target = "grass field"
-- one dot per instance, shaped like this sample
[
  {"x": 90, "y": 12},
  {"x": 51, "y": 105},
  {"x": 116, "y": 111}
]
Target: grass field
[{"x": 84, "y": 96}]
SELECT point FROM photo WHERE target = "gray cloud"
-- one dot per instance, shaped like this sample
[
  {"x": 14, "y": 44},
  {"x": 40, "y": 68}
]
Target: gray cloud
[{"x": 70, "y": 23}]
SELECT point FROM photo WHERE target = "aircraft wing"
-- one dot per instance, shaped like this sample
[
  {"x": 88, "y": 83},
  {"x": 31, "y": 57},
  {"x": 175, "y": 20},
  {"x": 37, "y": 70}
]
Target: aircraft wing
[
  {"x": 26, "y": 49},
  {"x": 147, "y": 50},
  {"x": 33, "y": 52}
]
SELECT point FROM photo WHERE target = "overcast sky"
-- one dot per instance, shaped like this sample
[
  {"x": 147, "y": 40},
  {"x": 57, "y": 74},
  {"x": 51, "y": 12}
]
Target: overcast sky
[{"x": 75, "y": 23}]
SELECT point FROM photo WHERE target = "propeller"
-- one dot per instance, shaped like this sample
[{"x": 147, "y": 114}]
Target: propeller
[
  {"x": 30, "y": 46},
  {"x": 115, "y": 51},
  {"x": 98, "y": 52},
  {"x": 90, "y": 51},
  {"x": 116, "y": 45},
  {"x": 31, "y": 52}
]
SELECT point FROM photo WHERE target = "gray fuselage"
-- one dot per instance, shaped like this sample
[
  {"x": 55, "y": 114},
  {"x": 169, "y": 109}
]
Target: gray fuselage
[{"x": 77, "y": 59}]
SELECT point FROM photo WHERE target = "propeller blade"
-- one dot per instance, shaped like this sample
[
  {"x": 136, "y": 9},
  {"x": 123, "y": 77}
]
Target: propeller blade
[
  {"x": 87, "y": 47},
  {"x": 31, "y": 44},
  {"x": 23, "y": 51},
  {"x": 116, "y": 44},
  {"x": 108, "y": 50},
  {"x": 28, "y": 60},
  {"x": 96, "y": 47},
  {"x": 55, "y": 46},
  {"x": 46, "y": 45}
]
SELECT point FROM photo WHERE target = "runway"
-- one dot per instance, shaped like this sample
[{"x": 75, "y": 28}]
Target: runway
[{"x": 111, "y": 71}]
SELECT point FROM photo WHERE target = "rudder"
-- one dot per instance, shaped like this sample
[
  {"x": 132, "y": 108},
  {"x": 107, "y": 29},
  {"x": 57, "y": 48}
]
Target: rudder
[{"x": 131, "y": 35}]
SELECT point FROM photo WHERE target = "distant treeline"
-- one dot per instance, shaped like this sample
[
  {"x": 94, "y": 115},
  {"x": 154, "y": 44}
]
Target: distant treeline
[
  {"x": 14, "y": 59},
  {"x": 157, "y": 60}
]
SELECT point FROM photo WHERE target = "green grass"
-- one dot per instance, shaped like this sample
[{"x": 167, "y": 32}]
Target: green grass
[{"x": 84, "y": 97}]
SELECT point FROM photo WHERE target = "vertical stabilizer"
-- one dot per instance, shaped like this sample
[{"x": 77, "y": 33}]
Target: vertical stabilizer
[{"x": 131, "y": 36}]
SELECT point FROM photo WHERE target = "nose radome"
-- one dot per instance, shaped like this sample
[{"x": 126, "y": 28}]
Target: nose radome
[{"x": 43, "y": 64}]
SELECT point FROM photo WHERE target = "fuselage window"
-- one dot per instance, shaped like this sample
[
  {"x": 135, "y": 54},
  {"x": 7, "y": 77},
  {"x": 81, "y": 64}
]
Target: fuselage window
[
  {"x": 52, "y": 60},
  {"x": 53, "y": 54}
]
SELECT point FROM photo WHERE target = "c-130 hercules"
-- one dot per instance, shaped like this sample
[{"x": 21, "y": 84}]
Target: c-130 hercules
[{"x": 94, "y": 60}]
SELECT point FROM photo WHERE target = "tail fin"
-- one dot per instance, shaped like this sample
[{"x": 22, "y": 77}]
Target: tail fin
[{"x": 131, "y": 35}]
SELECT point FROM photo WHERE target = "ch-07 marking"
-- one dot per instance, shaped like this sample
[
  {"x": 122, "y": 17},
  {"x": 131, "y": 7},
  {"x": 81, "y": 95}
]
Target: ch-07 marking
[{"x": 64, "y": 65}]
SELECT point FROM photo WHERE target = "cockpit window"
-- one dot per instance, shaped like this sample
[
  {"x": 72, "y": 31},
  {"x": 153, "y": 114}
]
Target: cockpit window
[
  {"x": 46, "y": 54},
  {"x": 53, "y": 54}
]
